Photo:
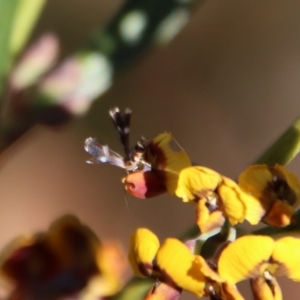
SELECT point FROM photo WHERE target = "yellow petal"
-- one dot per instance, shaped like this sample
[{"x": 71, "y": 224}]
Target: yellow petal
[
  {"x": 143, "y": 248},
  {"x": 98, "y": 286},
  {"x": 162, "y": 157},
  {"x": 287, "y": 254},
  {"x": 254, "y": 210},
  {"x": 280, "y": 214},
  {"x": 113, "y": 265},
  {"x": 269, "y": 184},
  {"x": 263, "y": 290},
  {"x": 244, "y": 258},
  {"x": 74, "y": 243},
  {"x": 230, "y": 292},
  {"x": 206, "y": 270},
  {"x": 196, "y": 183},
  {"x": 232, "y": 203},
  {"x": 179, "y": 265},
  {"x": 255, "y": 179},
  {"x": 206, "y": 220},
  {"x": 293, "y": 184},
  {"x": 239, "y": 205}
]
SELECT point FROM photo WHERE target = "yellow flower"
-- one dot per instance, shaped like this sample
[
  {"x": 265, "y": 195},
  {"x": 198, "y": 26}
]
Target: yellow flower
[
  {"x": 238, "y": 205},
  {"x": 74, "y": 243},
  {"x": 247, "y": 257},
  {"x": 260, "y": 258},
  {"x": 184, "y": 269},
  {"x": 177, "y": 263},
  {"x": 196, "y": 183},
  {"x": 277, "y": 190},
  {"x": 144, "y": 245},
  {"x": 165, "y": 165},
  {"x": 58, "y": 262},
  {"x": 173, "y": 263},
  {"x": 207, "y": 218},
  {"x": 113, "y": 265},
  {"x": 162, "y": 157},
  {"x": 217, "y": 197}
]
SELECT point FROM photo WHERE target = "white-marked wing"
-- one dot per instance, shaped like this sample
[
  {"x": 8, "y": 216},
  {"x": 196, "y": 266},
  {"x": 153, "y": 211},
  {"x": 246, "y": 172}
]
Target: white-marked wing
[{"x": 102, "y": 154}]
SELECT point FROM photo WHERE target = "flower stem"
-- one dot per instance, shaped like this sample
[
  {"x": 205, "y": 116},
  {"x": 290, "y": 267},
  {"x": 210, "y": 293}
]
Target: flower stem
[{"x": 285, "y": 148}]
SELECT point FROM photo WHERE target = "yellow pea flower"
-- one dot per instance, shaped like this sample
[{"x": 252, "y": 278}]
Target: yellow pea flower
[
  {"x": 113, "y": 265},
  {"x": 74, "y": 243},
  {"x": 217, "y": 197},
  {"x": 35, "y": 266},
  {"x": 164, "y": 167},
  {"x": 277, "y": 190},
  {"x": 237, "y": 205},
  {"x": 144, "y": 245},
  {"x": 172, "y": 263},
  {"x": 208, "y": 219},
  {"x": 261, "y": 259},
  {"x": 196, "y": 182},
  {"x": 182, "y": 268}
]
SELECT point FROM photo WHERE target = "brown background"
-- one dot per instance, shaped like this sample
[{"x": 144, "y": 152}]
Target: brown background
[{"x": 226, "y": 87}]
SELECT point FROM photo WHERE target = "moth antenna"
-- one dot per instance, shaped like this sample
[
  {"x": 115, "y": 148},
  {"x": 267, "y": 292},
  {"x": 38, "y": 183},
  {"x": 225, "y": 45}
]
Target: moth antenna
[
  {"x": 126, "y": 200},
  {"x": 122, "y": 124},
  {"x": 177, "y": 143}
]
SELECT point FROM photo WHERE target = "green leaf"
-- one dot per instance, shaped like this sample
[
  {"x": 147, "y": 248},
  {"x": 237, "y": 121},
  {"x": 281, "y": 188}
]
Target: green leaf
[
  {"x": 136, "y": 288},
  {"x": 7, "y": 15},
  {"x": 26, "y": 15},
  {"x": 285, "y": 148},
  {"x": 17, "y": 18}
]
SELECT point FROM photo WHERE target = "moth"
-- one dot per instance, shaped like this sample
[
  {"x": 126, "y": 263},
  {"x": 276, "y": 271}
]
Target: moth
[
  {"x": 152, "y": 166},
  {"x": 133, "y": 160}
]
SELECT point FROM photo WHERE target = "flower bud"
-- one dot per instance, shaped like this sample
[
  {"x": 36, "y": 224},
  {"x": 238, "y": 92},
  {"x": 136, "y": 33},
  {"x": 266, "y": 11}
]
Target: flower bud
[{"x": 145, "y": 184}]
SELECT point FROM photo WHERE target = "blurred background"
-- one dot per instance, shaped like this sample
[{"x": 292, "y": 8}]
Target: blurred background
[{"x": 226, "y": 87}]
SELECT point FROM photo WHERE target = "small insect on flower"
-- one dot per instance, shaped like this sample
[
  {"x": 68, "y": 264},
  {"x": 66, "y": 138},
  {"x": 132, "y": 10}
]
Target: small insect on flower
[
  {"x": 142, "y": 180},
  {"x": 152, "y": 166},
  {"x": 133, "y": 160}
]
